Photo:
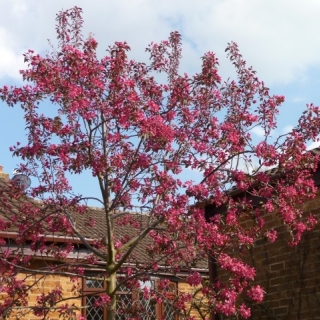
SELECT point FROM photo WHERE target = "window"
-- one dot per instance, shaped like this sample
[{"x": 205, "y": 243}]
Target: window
[
  {"x": 146, "y": 308},
  {"x": 167, "y": 310},
  {"x": 125, "y": 300},
  {"x": 91, "y": 289},
  {"x": 128, "y": 301}
]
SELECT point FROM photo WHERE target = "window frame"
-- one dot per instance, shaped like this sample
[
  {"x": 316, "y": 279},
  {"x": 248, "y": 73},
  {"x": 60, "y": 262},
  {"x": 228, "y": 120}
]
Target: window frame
[
  {"x": 170, "y": 295},
  {"x": 159, "y": 307},
  {"x": 90, "y": 292}
]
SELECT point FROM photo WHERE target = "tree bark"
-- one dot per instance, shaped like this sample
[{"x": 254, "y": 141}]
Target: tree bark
[{"x": 111, "y": 286}]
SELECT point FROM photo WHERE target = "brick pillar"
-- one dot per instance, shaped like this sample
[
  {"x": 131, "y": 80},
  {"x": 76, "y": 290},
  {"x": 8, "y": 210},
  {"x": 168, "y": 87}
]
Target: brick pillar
[{"x": 2, "y": 174}]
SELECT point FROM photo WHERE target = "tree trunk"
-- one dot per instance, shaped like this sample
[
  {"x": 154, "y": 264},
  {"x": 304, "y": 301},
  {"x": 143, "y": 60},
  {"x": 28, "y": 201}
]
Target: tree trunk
[{"x": 111, "y": 286}]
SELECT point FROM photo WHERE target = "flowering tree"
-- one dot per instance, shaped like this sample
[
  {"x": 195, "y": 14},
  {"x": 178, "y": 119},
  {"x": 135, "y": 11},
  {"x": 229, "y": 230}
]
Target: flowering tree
[{"x": 139, "y": 138}]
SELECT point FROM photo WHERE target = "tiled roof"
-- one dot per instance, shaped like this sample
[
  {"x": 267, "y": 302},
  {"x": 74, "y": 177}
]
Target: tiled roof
[
  {"x": 274, "y": 173},
  {"x": 95, "y": 232}
]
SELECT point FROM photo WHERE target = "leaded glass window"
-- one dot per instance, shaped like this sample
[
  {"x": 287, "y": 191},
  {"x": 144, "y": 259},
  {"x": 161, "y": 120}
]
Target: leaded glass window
[
  {"x": 93, "y": 313},
  {"x": 168, "y": 311},
  {"x": 129, "y": 303},
  {"x": 147, "y": 307},
  {"x": 94, "y": 284},
  {"x": 92, "y": 287},
  {"x": 124, "y": 307}
]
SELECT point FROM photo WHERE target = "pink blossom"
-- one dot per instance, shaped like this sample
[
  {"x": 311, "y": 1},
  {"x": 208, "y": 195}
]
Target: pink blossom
[
  {"x": 271, "y": 235},
  {"x": 194, "y": 279},
  {"x": 244, "y": 311},
  {"x": 256, "y": 293},
  {"x": 236, "y": 266},
  {"x": 102, "y": 300}
]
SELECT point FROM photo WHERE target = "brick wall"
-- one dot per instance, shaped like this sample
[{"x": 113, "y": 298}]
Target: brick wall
[
  {"x": 198, "y": 303},
  {"x": 289, "y": 275},
  {"x": 45, "y": 284}
]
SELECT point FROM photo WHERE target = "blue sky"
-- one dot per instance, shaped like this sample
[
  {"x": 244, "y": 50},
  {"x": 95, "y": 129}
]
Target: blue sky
[{"x": 279, "y": 38}]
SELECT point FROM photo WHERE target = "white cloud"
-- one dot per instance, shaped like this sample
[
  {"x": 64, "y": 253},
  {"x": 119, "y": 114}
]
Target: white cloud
[
  {"x": 279, "y": 38},
  {"x": 286, "y": 129},
  {"x": 10, "y": 61},
  {"x": 313, "y": 145},
  {"x": 299, "y": 99},
  {"x": 258, "y": 131}
]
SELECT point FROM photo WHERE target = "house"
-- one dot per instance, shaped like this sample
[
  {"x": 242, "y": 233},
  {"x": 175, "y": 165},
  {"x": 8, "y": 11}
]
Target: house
[
  {"x": 50, "y": 272},
  {"x": 290, "y": 275}
]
